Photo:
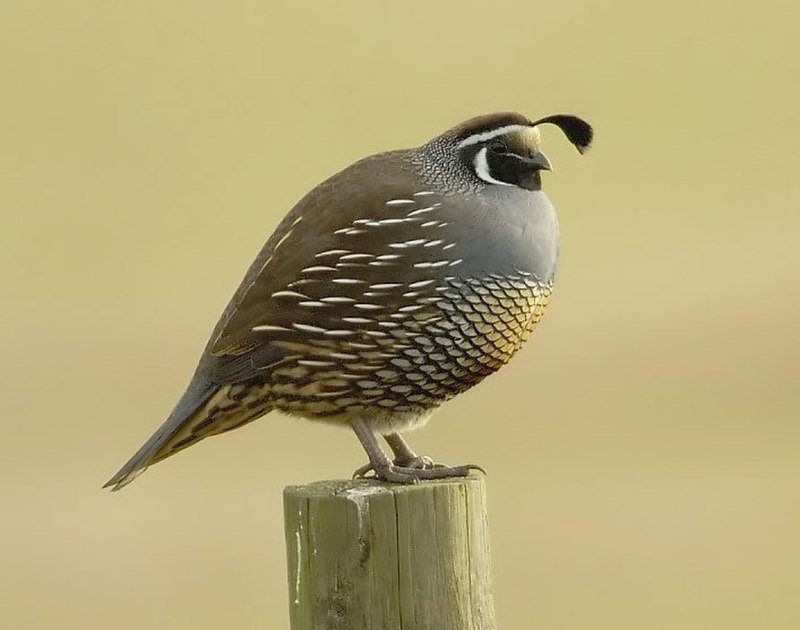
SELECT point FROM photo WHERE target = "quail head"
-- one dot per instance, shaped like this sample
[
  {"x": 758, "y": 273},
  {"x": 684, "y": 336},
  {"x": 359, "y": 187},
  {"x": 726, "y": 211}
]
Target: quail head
[{"x": 392, "y": 286}]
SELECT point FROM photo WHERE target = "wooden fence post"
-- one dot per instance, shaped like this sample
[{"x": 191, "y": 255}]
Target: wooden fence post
[{"x": 368, "y": 555}]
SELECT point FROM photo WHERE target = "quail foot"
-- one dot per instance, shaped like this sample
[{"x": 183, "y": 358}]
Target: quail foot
[{"x": 391, "y": 287}]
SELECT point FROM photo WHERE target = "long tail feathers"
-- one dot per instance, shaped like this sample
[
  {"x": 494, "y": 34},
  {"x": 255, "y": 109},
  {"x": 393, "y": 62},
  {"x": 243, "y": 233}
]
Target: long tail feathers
[{"x": 199, "y": 414}]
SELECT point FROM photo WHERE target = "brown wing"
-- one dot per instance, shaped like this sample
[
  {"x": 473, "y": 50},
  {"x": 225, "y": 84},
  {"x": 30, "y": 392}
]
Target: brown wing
[{"x": 357, "y": 250}]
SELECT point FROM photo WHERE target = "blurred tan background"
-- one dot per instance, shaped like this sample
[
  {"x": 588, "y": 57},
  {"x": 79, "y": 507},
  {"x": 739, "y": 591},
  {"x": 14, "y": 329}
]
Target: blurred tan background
[{"x": 643, "y": 450}]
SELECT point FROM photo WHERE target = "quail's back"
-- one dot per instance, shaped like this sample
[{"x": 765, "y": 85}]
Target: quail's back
[{"x": 394, "y": 285}]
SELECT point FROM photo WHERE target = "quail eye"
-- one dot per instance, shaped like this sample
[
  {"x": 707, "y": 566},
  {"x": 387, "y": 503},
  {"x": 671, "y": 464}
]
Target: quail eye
[{"x": 498, "y": 146}]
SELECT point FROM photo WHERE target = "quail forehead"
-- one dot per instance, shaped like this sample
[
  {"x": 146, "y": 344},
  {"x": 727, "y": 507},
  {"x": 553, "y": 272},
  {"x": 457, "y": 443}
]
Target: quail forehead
[
  {"x": 519, "y": 138},
  {"x": 524, "y": 141}
]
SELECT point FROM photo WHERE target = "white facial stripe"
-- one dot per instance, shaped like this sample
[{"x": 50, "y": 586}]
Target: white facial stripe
[
  {"x": 488, "y": 135},
  {"x": 482, "y": 168}
]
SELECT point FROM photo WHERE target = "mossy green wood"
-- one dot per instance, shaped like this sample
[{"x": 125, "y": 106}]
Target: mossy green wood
[{"x": 368, "y": 555}]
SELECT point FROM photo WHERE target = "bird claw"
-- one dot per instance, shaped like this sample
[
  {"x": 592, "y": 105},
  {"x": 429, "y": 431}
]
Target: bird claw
[
  {"x": 419, "y": 462},
  {"x": 414, "y": 470},
  {"x": 363, "y": 471}
]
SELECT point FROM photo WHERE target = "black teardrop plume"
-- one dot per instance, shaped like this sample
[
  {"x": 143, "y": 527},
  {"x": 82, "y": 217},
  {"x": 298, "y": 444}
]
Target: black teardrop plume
[{"x": 577, "y": 130}]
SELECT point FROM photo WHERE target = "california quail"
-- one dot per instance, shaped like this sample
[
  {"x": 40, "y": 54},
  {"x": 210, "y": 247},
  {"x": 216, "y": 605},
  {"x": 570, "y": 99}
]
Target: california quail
[{"x": 396, "y": 284}]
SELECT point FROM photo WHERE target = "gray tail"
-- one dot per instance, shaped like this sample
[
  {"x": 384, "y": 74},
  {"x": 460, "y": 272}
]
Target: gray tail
[{"x": 177, "y": 432}]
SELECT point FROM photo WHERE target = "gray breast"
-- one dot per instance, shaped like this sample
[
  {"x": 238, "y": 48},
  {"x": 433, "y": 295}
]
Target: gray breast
[{"x": 505, "y": 230}]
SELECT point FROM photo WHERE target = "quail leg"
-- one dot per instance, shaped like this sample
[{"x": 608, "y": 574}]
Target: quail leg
[
  {"x": 392, "y": 472},
  {"x": 405, "y": 457}
]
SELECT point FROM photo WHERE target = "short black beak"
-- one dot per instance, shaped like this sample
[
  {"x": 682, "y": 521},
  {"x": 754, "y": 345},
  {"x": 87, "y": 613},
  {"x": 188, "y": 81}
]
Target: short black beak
[{"x": 539, "y": 160}]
